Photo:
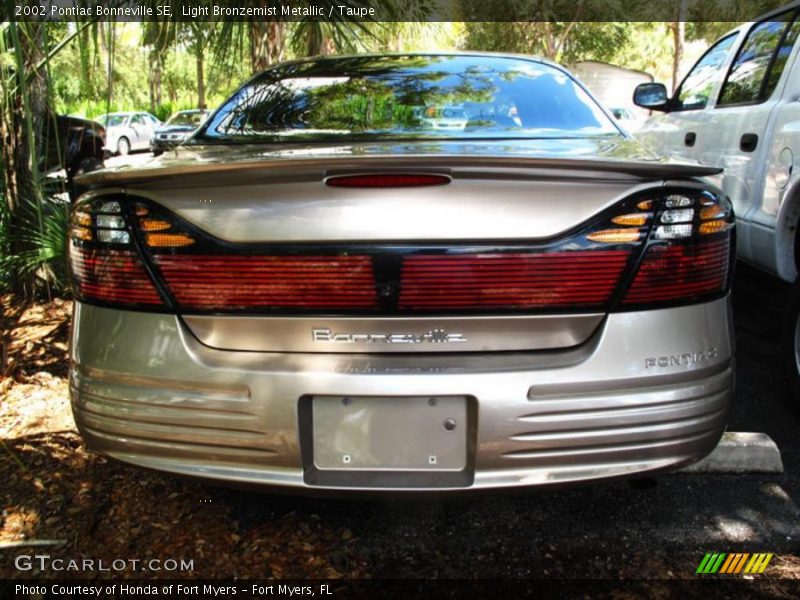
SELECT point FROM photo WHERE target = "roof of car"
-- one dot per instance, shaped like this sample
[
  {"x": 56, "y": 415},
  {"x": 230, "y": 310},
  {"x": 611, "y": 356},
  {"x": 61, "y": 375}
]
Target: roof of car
[{"x": 449, "y": 53}]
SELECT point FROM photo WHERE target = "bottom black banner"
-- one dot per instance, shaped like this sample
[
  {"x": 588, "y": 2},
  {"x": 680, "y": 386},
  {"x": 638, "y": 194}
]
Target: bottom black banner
[{"x": 371, "y": 589}]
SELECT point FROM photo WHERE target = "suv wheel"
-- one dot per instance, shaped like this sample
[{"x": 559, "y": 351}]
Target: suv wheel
[
  {"x": 123, "y": 146},
  {"x": 791, "y": 343}
]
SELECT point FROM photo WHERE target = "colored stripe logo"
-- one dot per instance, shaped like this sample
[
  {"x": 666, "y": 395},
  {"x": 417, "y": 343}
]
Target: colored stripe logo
[{"x": 731, "y": 564}]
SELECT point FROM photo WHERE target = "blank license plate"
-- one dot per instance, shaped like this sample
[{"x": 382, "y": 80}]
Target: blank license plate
[{"x": 390, "y": 433}]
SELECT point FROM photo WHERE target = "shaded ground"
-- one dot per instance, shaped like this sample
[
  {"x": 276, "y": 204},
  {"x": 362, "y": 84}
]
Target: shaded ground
[{"x": 54, "y": 490}]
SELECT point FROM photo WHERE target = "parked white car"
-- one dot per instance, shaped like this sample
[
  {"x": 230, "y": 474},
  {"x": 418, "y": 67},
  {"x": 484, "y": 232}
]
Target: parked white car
[
  {"x": 126, "y": 131},
  {"x": 739, "y": 108}
]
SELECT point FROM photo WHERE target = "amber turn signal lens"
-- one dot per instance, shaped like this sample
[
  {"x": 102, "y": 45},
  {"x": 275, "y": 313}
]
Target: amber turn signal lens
[
  {"x": 153, "y": 225},
  {"x": 82, "y": 233},
  {"x": 82, "y": 218},
  {"x": 615, "y": 236},
  {"x": 710, "y": 227},
  {"x": 645, "y": 205},
  {"x": 633, "y": 219},
  {"x": 713, "y": 212},
  {"x": 141, "y": 211},
  {"x": 169, "y": 240}
]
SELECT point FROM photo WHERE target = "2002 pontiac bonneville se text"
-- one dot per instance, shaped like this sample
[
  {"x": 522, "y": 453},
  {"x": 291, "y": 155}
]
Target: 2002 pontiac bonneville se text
[{"x": 404, "y": 272}]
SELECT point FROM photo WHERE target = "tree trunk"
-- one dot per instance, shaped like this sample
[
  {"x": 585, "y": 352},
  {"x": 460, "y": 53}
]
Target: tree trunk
[
  {"x": 159, "y": 70},
  {"x": 201, "y": 81},
  {"x": 86, "y": 64},
  {"x": 678, "y": 35},
  {"x": 328, "y": 46},
  {"x": 154, "y": 79},
  {"x": 22, "y": 131},
  {"x": 677, "y": 28},
  {"x": 267, "y": 43},
  {"x": 109, "y": 43}
]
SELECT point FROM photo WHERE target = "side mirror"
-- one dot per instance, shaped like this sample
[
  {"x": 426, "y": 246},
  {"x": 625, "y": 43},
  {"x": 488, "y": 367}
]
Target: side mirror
[{"x": 652, "y": 96}]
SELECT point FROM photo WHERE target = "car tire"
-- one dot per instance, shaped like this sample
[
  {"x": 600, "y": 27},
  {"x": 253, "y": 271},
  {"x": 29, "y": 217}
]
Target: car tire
[
  {"x": 123, "y": 146},
  {"x": 158, "y": 152},
  {"x": 85, "y": 165},
  {"x": 791, "y": 342}
]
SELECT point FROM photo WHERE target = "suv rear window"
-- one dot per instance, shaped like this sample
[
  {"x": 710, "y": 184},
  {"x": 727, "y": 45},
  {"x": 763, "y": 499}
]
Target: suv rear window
[{"x": 392, "y": 97}]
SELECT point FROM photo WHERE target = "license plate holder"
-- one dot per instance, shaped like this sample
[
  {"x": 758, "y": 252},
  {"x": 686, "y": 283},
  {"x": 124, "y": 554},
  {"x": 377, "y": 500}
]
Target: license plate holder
[{"x": 390, "y": 433}]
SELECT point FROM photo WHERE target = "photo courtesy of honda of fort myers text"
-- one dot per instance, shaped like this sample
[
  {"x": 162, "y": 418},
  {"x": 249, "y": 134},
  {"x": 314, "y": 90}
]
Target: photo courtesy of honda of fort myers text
[{"x": 401, "y": 298}]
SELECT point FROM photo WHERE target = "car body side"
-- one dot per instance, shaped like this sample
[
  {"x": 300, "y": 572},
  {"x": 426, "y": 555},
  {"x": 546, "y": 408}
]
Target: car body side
[{"x": 764, "y": 184}]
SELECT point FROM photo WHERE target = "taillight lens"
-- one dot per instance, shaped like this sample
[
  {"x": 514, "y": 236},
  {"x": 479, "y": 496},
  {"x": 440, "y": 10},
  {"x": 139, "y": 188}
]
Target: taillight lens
[
  {"x": 655, "y": 248},
  {"x": 105, "y": 264},
  {"x": 579, "y": 271},
  {"x": 205, "y": 275},
  {"x": 689, "y": 256}
]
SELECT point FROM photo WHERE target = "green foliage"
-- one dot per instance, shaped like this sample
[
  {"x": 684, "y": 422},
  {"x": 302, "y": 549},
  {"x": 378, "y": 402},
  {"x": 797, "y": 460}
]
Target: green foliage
[
  {"x": 566, "y": 42},
  {"x": 43, "y": 258},
  {"x": 41, "y": 231},
  {"x": 649, "y": 48}
]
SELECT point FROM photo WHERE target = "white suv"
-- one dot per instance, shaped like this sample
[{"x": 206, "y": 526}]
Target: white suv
[{"x": 739, "y": 108}]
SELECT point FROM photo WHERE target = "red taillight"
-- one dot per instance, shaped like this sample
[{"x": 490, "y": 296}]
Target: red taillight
[
  {"x": 681, "y": 272},
  {"x": 690, "y": 254},
  {"x": 384, "y": 180},
  {"x": 104, "y": 263},
  {"x": 210, "y": 282},
  {"x": 116, "y": 276},
  {"x": 513, "y": 280},
  {"x": 679, "y": 243}
]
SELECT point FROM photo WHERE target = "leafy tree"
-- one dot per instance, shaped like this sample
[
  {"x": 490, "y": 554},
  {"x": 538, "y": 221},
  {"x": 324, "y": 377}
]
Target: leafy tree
[
  {"x": 199, "y": 37},
  {"x": 566, "y": 42}
]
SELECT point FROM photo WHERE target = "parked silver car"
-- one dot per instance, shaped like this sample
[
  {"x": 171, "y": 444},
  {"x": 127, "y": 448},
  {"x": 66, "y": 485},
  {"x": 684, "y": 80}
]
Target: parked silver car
[
  {"x": 321, "y": 291},
  {"x": 126, "y": 131}
]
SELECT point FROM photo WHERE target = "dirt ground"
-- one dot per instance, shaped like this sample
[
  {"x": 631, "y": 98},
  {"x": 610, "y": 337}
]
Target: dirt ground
[{"x": 77, "y": 504}]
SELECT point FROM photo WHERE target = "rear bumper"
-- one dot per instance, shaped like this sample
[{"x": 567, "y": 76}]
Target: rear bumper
[{"x": 649, "y": 391}]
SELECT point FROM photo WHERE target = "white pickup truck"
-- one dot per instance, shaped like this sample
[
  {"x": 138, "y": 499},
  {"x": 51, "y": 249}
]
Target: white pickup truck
[{"x": 739, "y": 108}]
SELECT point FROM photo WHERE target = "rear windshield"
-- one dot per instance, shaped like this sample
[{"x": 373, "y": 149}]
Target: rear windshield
[
  {"x": 399, "y": 97},
  {"x": 193, "y": 118}
]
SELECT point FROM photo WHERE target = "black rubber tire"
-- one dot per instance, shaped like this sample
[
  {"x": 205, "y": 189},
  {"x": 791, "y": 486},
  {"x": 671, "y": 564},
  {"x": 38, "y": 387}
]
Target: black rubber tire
[
  {"x": 791, "y": 342},
  {"x": 123, "y": 146}
]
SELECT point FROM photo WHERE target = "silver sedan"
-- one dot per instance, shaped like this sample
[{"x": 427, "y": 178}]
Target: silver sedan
[{"x": 127, "y": 131}]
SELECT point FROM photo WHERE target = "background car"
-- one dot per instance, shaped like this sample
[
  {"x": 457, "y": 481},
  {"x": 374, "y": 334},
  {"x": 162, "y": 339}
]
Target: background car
[
  {"x": 738, "y": 108},
  {"x": 73, "y": 144},
  {"x": 126, "y": 131},
  {"x": 179, "y": 127},
  {"x": 532, "y": 299}
]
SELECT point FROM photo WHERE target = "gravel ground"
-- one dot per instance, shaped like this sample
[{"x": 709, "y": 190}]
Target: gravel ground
[{"x": 655, "y": 528}]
